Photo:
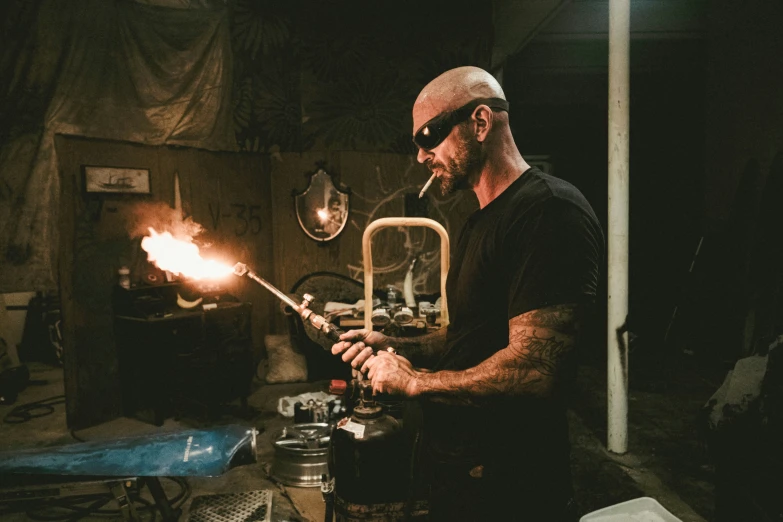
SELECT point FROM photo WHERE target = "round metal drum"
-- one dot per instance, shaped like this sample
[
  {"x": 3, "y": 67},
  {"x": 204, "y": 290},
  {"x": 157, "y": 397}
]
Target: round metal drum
[{"x": 301, "y": 453}]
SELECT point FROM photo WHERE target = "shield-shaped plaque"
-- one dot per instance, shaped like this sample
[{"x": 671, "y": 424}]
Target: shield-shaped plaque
[{"x": 322, "y": 209}]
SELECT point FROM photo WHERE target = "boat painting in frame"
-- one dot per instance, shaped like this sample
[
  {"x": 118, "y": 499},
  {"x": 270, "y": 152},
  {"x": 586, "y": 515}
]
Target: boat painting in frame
[{"x": 116, "y": 180}]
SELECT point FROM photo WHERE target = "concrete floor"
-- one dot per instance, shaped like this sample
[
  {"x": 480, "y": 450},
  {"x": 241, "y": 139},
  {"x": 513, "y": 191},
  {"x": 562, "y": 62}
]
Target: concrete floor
[{"x": 666, "y": 460}]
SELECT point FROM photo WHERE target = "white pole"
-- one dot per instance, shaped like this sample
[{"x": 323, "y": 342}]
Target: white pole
[{"x": 617, "y": 357}]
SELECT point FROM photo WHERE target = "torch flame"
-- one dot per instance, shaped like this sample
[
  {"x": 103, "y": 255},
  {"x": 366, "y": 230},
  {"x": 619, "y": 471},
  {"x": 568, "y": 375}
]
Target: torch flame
[
  {"x": 181, "y": 257},
  {"x": 322, "y": 214}
]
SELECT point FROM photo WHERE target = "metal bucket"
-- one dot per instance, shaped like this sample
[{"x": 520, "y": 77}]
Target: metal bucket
[{"x": 301, "y": 453}]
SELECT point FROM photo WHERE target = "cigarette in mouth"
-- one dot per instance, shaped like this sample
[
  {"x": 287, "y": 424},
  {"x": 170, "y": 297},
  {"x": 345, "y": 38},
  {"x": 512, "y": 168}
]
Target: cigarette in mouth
[{"x": 426, "y": 186}]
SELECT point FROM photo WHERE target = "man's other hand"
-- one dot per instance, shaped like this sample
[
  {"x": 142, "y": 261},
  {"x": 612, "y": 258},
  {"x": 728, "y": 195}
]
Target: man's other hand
[{"x": 392, "y": 374}]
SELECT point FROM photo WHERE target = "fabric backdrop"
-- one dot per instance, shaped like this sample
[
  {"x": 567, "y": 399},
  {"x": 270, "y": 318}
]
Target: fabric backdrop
[{"x": 154, "y": 72}]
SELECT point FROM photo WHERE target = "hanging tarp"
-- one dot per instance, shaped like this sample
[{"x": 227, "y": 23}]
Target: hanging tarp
[{"x": 109, "y": 69}]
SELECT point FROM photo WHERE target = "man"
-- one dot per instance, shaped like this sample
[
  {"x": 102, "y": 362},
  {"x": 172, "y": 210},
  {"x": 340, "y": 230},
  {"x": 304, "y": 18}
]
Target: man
[{"x": 523, "y": 278}]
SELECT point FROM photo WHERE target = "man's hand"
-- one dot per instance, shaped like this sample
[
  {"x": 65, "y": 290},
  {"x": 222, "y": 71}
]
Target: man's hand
[
  {"x": 392, "y": 374},
  {"x": 357, "y": 346},
  {"x": 389, "y": 372}
]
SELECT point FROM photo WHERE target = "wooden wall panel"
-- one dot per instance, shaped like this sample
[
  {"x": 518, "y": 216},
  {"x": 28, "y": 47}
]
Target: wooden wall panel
[
  {"x": 94, "y": 245},
  {"x": 295, "y": 254},
  {"x": 229, "y": 195},
  {"x": 225, "y": 192},
  {"x": 378, "y": 184}
]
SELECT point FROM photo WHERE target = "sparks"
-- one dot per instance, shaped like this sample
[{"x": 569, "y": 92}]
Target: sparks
[{"x": 181, "y": 257}]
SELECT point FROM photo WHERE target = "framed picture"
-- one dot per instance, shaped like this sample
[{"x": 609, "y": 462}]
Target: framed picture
[{"x": 116, "y": 180}]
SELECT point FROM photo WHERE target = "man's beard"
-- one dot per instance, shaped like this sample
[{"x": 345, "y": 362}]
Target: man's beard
[{"x": 462, "y": 170}]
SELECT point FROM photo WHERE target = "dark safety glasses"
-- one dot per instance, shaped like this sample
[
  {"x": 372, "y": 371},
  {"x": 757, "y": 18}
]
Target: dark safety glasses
[{"x": 432, "y": 133}]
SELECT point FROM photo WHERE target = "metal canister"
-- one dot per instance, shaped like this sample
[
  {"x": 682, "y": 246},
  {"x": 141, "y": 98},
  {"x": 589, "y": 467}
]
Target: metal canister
[{"x": 371, "y": 464}]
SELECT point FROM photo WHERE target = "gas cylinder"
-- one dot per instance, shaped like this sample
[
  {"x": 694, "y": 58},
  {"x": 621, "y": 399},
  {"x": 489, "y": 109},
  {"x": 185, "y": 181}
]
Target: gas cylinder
[{"x": 371, "y": 464}]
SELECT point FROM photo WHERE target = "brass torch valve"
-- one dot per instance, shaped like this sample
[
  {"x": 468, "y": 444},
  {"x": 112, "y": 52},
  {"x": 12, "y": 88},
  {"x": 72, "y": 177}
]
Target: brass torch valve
[{"x": 304, "y": 310}]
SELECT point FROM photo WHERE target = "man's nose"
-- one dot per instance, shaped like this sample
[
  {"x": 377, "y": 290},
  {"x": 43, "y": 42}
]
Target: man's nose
[{"x": 423, "y": 155}]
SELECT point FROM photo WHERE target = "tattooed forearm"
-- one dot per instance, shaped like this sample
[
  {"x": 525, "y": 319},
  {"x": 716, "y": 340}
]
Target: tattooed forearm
[
  {"x": 422, "y": 351},
  {"x": 539, "y": 353},
  {"x": 542, "y": 354}
]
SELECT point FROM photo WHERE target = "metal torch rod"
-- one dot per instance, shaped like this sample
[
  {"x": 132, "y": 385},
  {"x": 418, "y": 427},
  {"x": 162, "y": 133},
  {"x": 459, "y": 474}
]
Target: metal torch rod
[
  {"x": 318, "y": 321},
  {"x": 272, "y": 288},
  {"x": 303, "y": 309}
]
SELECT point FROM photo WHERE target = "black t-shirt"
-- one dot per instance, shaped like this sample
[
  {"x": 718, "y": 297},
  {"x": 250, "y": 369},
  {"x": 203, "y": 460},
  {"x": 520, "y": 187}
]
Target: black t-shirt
[{"x": 537, "y": 244}]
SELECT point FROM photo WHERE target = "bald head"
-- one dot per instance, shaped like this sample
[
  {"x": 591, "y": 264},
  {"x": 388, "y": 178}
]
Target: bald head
[{"x": 452, "y": 90}]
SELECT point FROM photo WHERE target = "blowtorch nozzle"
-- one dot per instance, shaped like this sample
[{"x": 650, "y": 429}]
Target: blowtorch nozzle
[{"x": 240, "y": 269}]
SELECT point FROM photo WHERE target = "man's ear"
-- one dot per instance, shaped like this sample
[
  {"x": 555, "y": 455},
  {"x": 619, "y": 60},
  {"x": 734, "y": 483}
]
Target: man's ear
[{"x": 483, "y": 118}]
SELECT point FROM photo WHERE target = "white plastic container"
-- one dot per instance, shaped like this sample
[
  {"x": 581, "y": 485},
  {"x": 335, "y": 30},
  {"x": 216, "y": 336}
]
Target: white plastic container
[{"x": 644, "y": 509}]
